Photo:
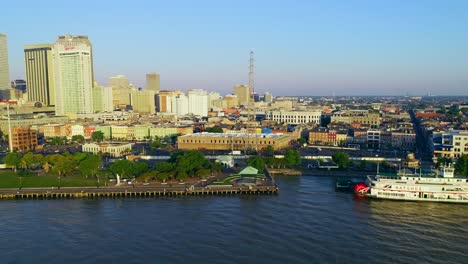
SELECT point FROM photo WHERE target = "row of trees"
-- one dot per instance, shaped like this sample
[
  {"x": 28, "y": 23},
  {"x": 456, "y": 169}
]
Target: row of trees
[
  {"x": 183, "y": 165},
  {"x": 96, "y": 136},
  {"x": 59, "y": 164},
  {"x": 291, "y": 158}
]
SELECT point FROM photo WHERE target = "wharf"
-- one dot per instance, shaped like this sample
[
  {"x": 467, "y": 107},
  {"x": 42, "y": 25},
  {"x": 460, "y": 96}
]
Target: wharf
[{"x": 120, "y": 192}]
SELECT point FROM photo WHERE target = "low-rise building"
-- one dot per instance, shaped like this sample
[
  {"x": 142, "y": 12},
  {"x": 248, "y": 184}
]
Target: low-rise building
[
  {"x": 113, "y": 149},
  {"x": 53, "y": 130},
  {"x": 451, "y": 144},
  {"x": 295, "y": 117},
  {"x": 238, "y": 141},
  {"x": 23, "y": 139}
]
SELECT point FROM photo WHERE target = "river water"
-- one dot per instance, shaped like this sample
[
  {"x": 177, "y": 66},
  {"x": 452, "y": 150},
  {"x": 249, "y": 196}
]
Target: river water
[{"x": 307, "y": 222}]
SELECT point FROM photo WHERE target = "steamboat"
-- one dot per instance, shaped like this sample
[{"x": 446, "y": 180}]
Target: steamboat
[{"x": 442, "y": 187}]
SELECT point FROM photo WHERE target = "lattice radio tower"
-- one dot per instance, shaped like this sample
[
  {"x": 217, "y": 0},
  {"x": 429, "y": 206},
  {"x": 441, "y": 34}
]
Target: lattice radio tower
[{"x": 251, "y": 74}]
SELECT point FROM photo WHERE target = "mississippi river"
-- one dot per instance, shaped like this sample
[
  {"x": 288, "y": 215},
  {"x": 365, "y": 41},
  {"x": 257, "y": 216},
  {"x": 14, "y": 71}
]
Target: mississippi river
[{"x": 307, "y": 222}]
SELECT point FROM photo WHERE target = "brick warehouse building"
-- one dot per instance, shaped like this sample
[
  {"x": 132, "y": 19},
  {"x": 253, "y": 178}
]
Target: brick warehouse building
[{"x": 23, "y": 139}]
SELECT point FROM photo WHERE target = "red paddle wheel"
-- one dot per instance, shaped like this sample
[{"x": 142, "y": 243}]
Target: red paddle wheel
[{"x": 360, "y": 189}]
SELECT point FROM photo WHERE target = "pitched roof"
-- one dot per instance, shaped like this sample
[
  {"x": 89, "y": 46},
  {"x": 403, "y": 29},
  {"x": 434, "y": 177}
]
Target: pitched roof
[{"x": 249, "y": 170}]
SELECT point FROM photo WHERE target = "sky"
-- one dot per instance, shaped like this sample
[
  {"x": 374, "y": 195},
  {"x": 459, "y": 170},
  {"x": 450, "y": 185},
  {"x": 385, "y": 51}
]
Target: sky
[{"x": 310, "y": 47}]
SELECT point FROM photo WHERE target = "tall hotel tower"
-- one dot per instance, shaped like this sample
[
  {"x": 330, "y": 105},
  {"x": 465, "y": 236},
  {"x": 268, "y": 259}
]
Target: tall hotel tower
[
  {"x": 4, "y": 69},
  {"x": 73, "y": 67},
  {"x": 40, "y": 73},
  {"x": 153, "y": 82}
]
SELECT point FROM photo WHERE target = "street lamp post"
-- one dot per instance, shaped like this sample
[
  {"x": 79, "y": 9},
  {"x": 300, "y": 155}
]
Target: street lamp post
[{"x": 378, "y": 164}]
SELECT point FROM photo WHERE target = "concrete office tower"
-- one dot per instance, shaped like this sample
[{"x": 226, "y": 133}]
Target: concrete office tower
[
  {"x": 143, "y": 101},
  {"x": 164, "y": 101},
  {"x": 179, "y": 105},
  {"x": 40, "y": 78},
  {"x": 230, "y": 101},
  {"x": 243, "y": 94},
  {"x": 268, "y": 97},
  {"x": 121, "y": 90},
  {"x": 213, "y": 99},
  {"x": 198, "y": 102},
  {"x": 4, "y": 68},
  {"x": 73, "y": 67},
  {"x": 108, "y": 103},
  {"x": 98, "y": 98},
  {"x": 153, "y": 82}
]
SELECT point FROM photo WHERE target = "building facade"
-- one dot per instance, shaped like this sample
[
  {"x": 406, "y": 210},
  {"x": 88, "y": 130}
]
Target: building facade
[
  {"x": 153, "y": 82},
  {"x": 238, "y": 141},
  {"x": 39, "y": 64},
  {"x": 450, "y": 144},
  {"x": 295, "y": 117},
  {"x": 4, "y": 66},
  {"x": 198, "y": 102},
  {"x": 23, "y": 139},
  {"x": 243, "y": 94},
  {"x": 113, "y": 150},
  {"x": 73, "y": 65}
]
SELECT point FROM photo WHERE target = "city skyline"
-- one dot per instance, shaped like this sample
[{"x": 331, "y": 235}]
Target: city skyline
[{"x": 320, "y": 48}]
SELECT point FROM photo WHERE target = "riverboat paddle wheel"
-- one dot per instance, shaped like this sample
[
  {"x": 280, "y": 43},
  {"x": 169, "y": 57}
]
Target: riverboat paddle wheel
[{"x": 361, "y": 189}]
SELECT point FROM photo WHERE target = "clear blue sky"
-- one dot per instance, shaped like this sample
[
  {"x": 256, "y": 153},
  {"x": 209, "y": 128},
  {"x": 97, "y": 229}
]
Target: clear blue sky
[{"x": 366, "y": 47}]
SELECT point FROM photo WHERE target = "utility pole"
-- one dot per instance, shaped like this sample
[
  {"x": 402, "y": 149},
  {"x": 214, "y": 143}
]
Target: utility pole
[{"x": 10, "y": 142}]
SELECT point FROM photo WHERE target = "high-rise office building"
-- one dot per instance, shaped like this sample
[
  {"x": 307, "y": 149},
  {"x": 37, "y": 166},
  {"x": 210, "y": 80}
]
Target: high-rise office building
[
  {"x": 268, "y": 97},
  {"x": 153, "y": 82},
  {"x": 40, "y": 73},
  {"x": 4, "y": 68},
  {"x": 198, "y": 102},
  {"x": 243, "y": 94},
  {"x": 143, "y": 101},
  {"x": 73, "y": 65},
  {"x": 121, "y": 90},
  {"x": 179, "y": 105}
]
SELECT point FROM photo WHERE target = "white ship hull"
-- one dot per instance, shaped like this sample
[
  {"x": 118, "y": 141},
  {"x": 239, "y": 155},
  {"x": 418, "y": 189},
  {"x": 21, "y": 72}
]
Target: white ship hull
[{"x": 414, "y": 188}]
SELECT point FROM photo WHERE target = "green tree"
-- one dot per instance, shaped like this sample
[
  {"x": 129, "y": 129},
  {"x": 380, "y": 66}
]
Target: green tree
[
  {"x": 139, "y": 168},
  {"x": 97, "y": 136},
  {"x": 13, "y": 159},
  {"x": 256, "y": 162},
  {"x": 203, "y": 173},
  {"x": 164, "y": 167},
  {"x": 123, "y": 168},
  {"x": 163, "y": 176},
  {"x": 181, "y": 175},
  {"x": 363, "y": 165},
  {"x": 461, "y": 166},
  {"x": 89, "y": 166},
  {"x": 32, "y": 161},
  {"x": 269, "y": 150},
  {"x": 302, "y": 141},
  {"x": 188, "y": 161},
  {"x": 341, "y": 159},
  {"x": 442, "y": 161},
  {"x": 58, "y": 141},
  {"x": 78, "y": 138},
  {"x": 215, "y": 129},
  {"x": 292, "y": 157},
  {"x": 156, "y": 143}
]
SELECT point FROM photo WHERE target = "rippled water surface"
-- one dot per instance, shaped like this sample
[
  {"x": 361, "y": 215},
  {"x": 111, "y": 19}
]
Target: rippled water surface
[{"x": 307, "y": 222}]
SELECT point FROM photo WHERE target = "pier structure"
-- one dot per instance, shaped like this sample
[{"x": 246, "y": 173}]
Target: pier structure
[{"x": 128, "y": 192}]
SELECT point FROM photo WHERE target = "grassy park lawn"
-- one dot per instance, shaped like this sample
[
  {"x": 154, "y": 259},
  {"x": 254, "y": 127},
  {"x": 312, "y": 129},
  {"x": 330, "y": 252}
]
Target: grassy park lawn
[{"x": 9, "y": 179}]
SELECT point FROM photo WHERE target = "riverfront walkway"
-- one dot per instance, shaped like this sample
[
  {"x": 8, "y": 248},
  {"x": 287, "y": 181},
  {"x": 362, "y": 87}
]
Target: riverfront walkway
[{"x": 129, "y": 191}]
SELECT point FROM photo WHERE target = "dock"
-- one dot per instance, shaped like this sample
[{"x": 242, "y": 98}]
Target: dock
[{"x": 128, "y": 192}]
